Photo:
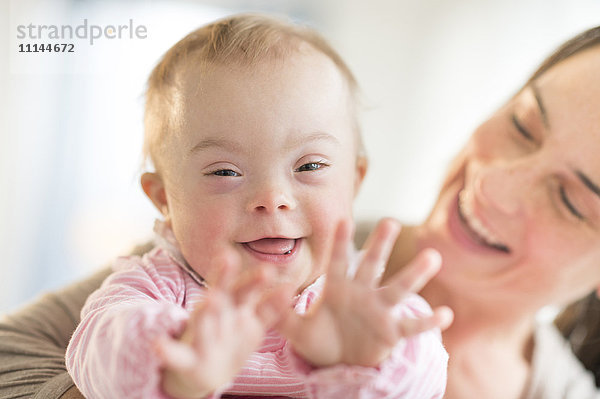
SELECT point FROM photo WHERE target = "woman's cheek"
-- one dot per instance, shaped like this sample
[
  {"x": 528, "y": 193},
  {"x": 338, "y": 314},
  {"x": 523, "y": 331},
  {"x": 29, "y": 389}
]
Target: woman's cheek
[{"x": 485, "y": 145}]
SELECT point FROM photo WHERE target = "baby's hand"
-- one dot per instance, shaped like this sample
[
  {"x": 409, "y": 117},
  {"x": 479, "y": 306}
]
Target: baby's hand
[
  {"x": 354, "y": 323},
  {"x": 222, "y": 332}
]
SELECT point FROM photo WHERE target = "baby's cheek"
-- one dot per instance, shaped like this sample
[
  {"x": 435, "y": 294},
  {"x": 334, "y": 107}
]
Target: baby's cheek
[
  {"x": 325, "y": 225},
  {"x": 201, "y": 237}
]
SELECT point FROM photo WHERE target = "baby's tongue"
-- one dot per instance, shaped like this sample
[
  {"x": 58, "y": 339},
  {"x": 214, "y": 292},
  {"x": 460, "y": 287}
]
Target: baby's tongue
[{"x": 272, "y": 246}]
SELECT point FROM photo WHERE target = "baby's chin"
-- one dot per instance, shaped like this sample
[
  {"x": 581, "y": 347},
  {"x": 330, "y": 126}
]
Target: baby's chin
[{"x": 295, "y": 280}]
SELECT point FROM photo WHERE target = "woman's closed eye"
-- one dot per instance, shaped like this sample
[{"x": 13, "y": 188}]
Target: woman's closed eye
[
  {"x": 521, "y": 129},
  {"x": 564, "y": 197},
  {"x": 569, "y": 205}
]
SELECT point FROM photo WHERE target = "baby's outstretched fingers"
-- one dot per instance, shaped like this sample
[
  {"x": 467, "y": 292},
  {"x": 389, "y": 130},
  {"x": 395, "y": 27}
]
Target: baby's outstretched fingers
[
  {"x": 275, "y": 305},
  {"x": 440, "y": 318},
  {"x": 228, "y": 263},
  {"x": 444, "y": 316},
  {"x": 338, "y": 266},
  {"x": 250, "y": 286},
  {"x": 174, "y": 354},
  {"x": 377, "y": 248},
  {"x": 413, "y": 277}
]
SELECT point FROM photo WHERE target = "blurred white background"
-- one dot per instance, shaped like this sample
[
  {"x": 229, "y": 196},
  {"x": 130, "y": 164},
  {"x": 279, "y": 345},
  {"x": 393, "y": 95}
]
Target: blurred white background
[{"x": 71, "y": 124}]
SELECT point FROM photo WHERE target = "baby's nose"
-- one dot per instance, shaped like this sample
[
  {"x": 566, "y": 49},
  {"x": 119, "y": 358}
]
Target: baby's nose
[{"x": 271, "y": 198}]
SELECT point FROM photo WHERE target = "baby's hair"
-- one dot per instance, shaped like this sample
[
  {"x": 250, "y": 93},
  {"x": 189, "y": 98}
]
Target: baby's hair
[{"x": 243, "y": 40}]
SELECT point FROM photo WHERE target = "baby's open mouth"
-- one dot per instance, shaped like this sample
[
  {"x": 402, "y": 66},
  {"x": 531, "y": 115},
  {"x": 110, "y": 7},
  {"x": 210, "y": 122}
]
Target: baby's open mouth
[{"x": 272, "y": 246}]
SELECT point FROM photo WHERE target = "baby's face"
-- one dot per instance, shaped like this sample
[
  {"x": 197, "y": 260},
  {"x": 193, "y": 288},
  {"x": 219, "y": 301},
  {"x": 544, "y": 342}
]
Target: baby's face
[{"x": 265, "y": 166}]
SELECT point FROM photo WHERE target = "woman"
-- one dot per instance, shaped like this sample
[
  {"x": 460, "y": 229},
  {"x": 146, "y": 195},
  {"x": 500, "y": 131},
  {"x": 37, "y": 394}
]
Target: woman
[{"x": 518, "y": 225}]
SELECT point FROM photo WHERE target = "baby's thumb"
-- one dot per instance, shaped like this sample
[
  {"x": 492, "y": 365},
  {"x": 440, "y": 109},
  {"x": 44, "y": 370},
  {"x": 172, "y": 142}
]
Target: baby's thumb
[
  {"x": 276, "y": 306},
  {"x": 174, "y": 355}
]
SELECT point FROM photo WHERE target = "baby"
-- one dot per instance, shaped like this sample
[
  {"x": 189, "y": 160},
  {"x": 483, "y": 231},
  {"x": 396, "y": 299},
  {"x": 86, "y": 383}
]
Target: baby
[{"x": 251, "y": 128}]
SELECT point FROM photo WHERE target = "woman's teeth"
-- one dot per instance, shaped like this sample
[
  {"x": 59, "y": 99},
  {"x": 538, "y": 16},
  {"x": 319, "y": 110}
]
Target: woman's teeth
[{"x": 465, "y": 210}]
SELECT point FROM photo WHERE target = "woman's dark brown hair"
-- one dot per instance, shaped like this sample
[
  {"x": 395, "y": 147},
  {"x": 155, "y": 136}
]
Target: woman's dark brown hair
[
  {"x": 580, "y": 325},
  {"x": 579, "y": 322}
]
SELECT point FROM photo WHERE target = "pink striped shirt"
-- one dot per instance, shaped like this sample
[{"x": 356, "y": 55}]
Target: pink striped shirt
[{"x": 110, "y": 354}]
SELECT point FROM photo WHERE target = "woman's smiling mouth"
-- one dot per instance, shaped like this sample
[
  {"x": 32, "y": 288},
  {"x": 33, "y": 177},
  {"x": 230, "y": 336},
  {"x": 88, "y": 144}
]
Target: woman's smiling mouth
[{"x": 475, "y": 228}]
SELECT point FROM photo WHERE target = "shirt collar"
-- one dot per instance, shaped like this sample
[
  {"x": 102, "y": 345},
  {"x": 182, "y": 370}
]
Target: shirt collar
[{"x": 165, "y": 239}]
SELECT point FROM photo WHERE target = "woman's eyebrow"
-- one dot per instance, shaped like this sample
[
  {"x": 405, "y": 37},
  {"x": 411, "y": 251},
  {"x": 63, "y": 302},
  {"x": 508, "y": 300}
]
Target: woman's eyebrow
[
  {"x": 588, "y": 183},
  {"x": 540, "y": 103}
]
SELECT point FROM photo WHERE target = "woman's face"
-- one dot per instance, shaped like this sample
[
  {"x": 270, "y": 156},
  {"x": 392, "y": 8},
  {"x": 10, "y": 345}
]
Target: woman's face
[{"x": 519, "y": 216}]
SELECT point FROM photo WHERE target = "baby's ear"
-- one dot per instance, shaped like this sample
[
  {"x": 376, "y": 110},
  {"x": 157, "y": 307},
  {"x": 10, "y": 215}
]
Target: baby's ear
[
  {"x": 153, "y": 186},
  {"x": 361, "y": 170}
]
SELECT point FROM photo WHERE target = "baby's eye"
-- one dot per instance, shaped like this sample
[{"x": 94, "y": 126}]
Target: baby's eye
[
  {"x": 311, "y": 166},
  {"x": 225, "y": 173}
]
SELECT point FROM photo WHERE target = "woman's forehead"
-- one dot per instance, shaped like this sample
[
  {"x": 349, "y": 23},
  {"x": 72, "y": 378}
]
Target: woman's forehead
[
  {"x": 568, "y": 95},
  {"x": 562, "y": 111},
  {"x": 575, "y": 78}
]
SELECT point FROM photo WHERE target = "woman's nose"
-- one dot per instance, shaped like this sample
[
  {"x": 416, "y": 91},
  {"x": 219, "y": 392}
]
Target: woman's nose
[
  {"x": 505, "y": 186},
  {"x": 271, "y": 197}
]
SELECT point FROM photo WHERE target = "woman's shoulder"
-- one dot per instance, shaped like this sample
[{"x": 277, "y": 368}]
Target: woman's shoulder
[
  {"x": 33, "y": 341},
  {"x": 556, "y": 371}
]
